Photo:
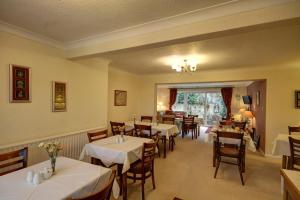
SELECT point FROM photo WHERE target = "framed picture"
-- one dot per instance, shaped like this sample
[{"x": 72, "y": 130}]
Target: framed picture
[
  {"x": 297, "y": 98},
  {"x": 257, "y": 98},
  {"x": 19, "y": 84},
  {"x": 59, "y": 96},
  {"x": 120, "y": 98}
]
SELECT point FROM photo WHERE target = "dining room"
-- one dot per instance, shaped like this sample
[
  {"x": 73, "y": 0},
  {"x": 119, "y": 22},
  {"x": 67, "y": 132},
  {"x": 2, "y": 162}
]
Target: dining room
[{"x": 110, "y": 100}]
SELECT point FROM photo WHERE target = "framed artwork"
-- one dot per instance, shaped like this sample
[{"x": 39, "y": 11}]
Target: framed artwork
[
  {"x": 120, "y": 98},
  {"x": 297, "y": 98},
  {"x": 19, "y": 84},
  {"x": 59, "y": 96},
  {"x": 257, "y": 98}
]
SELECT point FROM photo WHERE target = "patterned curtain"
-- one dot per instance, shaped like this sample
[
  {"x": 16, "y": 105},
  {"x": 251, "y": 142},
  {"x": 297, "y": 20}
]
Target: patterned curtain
[
  {"x": 227, "y": 96},
  {"x": 173, "y": 95}
]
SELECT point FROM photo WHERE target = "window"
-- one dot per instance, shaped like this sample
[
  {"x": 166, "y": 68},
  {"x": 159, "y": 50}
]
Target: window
[{"x": 208, "y": 105}]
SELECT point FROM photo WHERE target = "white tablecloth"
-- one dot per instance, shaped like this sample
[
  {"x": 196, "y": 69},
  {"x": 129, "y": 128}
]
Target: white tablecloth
[
  {"x": 249, "y": 142},
  {"x": 73, "y": 178},
  {"x": 282, "y": 146},
  {"x": 109, "y": 151},
  {"x": 165, "y": 129}
]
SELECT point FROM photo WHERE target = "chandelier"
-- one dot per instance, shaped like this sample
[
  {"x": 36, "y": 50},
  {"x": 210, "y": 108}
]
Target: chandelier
[{"x": 185, "y": 67}]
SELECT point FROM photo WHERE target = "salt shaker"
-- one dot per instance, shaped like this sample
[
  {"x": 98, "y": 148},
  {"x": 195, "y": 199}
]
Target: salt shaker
[
  {"x": 37, "y": 179},
  {"x": 29, "y": 177}
]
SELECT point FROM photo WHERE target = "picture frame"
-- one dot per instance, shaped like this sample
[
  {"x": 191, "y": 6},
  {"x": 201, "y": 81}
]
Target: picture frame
[
  {"x": 120, "y": 98},
  {"x": 257, "y": 98},
  {"x": 59, "y": 96},
  {"x": 19, "y": 84},
  {"x": 297, "y": 99}
]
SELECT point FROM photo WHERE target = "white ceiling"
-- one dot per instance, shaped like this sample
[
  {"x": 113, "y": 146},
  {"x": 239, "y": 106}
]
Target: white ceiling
[
  {"x": 70, "y": 20},
  {"x": 263, "y": 47},
  {"x": 206, "y": 85}
]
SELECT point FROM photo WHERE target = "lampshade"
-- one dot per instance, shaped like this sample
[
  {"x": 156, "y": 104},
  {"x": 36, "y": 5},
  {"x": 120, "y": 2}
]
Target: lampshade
[
  {"x": 242, "y": 110},
  {"x": 248, "y": 114}
]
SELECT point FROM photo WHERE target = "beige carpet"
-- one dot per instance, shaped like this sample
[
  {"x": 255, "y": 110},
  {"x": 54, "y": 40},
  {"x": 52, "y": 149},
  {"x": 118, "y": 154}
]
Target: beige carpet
[{"x": 187, "y": 173}]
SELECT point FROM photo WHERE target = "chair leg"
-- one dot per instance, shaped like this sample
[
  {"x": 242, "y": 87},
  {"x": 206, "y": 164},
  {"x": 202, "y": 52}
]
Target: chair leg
[
  {"x": 241, "y": 171},
  {"x": 153, "y": 181},
  {"x": 143, "y": 190},
  {"x": 217, "y": 168}
]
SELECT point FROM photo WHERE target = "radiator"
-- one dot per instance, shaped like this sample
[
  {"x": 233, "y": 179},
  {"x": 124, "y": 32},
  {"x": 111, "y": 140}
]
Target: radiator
[{"x": 72, "y": 144}]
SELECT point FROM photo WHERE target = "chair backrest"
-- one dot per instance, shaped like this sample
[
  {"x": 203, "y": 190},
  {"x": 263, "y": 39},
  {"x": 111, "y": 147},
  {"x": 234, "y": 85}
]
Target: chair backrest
[
  {"x": 294, "y": 129},
  {"x": 155, "y": 137},
  {"x": 146, "y": 119},
  {"x": 117, "y": 127},
  {"x": 93, "y": 136},
  {"x": 105, "y": 193},
  {"x": 168, "y": 120},
  {"x": 241, "y": 125},
  {"x": 193, "y": 116},
  {"x": 13, "y": 161},
  {"x": 148, "y": 154},
  {"x": 295, "y": 152},
  {"x": 226, "y": 123},
  {"x": 143, "y": 130},
  {"x": 188, "y": 120},
  {"x": 232, "y": 135}
]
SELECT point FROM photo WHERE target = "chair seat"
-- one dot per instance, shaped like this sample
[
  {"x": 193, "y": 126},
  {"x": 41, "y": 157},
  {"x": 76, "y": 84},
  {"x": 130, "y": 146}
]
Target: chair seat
[
  {"x": 136, "y": 167},
  {"x": 229, "y": 151}
]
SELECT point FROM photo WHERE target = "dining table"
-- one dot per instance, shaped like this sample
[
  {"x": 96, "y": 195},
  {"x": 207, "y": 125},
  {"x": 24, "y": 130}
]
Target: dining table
[
  {"x": 291, "y": 184},
  {"x": 281, "y": 147},
  {"x": 112, "y": 150},
  {"x": 166, "y": 130},
  {"x": 72, "y": 179}
]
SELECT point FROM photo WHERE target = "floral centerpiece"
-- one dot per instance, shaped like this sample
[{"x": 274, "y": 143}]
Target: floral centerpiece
[{"x": 52, "y": 149}]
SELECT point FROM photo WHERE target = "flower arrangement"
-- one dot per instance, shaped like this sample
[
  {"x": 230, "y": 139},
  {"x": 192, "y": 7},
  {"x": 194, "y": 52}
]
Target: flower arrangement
[{"x": 52, "y": 148}]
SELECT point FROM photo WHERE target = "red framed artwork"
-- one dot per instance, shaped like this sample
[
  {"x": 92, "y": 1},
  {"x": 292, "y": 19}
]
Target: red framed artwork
[{"x": 20, "y": 84}]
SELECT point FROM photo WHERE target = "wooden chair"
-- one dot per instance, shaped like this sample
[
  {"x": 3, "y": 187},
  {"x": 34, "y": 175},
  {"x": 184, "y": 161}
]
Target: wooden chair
[
  {"x": 144, "y": 131},
  {"x": 226, "y": 123},
  {"x": 188, "y": 125},
  {"x": 144, "y": 168},
  {"x": 294, "y": 129},
  {"x": 240, "y": 125},
  {"x": 13, "y": 161},
  {"x": 294, "y": 159},
  {"x": 103, "y": 194},
  {"x": 94, "y": 136},
  {"x": 196, "y": 124},
  {"x": 146, "y": 119},
  {"x": 230, "y": 150},
  {"x": 170, "y": 120},
  {"x": 119, "y": 127},
  {"x": 155, "y": 137}
]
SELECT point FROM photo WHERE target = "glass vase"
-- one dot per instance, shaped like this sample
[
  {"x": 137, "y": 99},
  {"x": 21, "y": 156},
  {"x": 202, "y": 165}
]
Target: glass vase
[{"x": 53, "y": 162}]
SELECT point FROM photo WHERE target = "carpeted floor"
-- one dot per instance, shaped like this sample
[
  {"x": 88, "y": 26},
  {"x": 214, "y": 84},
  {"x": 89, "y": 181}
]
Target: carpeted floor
[{"x": 187, "y": 173}]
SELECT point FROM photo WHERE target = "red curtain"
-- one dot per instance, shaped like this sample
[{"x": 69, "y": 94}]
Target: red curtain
[
  {"x": 227, "y": 96},
  {"x": 173, "y": 95}
]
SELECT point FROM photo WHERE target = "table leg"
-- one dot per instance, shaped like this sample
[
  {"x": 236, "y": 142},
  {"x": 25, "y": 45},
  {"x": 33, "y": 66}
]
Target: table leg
[
  {"x": 125, "y": 186},
  {"x": 214, "y": 154},
  {"x": 165, "y": 145},
  {"x": 121, "y": 177},
  {"x": 284, "y": 159}
]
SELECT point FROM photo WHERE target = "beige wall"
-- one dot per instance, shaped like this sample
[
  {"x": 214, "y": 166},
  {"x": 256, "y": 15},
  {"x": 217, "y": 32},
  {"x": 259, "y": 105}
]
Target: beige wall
[
  {"x": 281, "y": 84},
  {"x": 119, "y": 80},
  {"x": 87, "y": 92}
]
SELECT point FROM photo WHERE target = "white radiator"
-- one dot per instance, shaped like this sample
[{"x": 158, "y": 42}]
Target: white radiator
[{"x": 72, "y": 144}]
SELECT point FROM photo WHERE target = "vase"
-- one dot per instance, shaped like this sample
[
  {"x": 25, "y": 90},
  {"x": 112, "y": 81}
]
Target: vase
[{"x": 53, "y": 162}]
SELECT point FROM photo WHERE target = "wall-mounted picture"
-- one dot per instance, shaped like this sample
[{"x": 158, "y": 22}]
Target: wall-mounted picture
[
  {"x": 257, "y": 98},
  {"x": 59, "y": 94},
  {"x": 20, "y": 84},
  {"x": 120, "y": 98},
  {"x": 297, "y": 98}
]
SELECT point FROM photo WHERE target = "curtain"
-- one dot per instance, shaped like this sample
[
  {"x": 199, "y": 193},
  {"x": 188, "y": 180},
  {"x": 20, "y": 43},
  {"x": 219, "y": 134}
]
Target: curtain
[
  {"x": 173, "y": 95},
  {"x": 227, "y": 96}
]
